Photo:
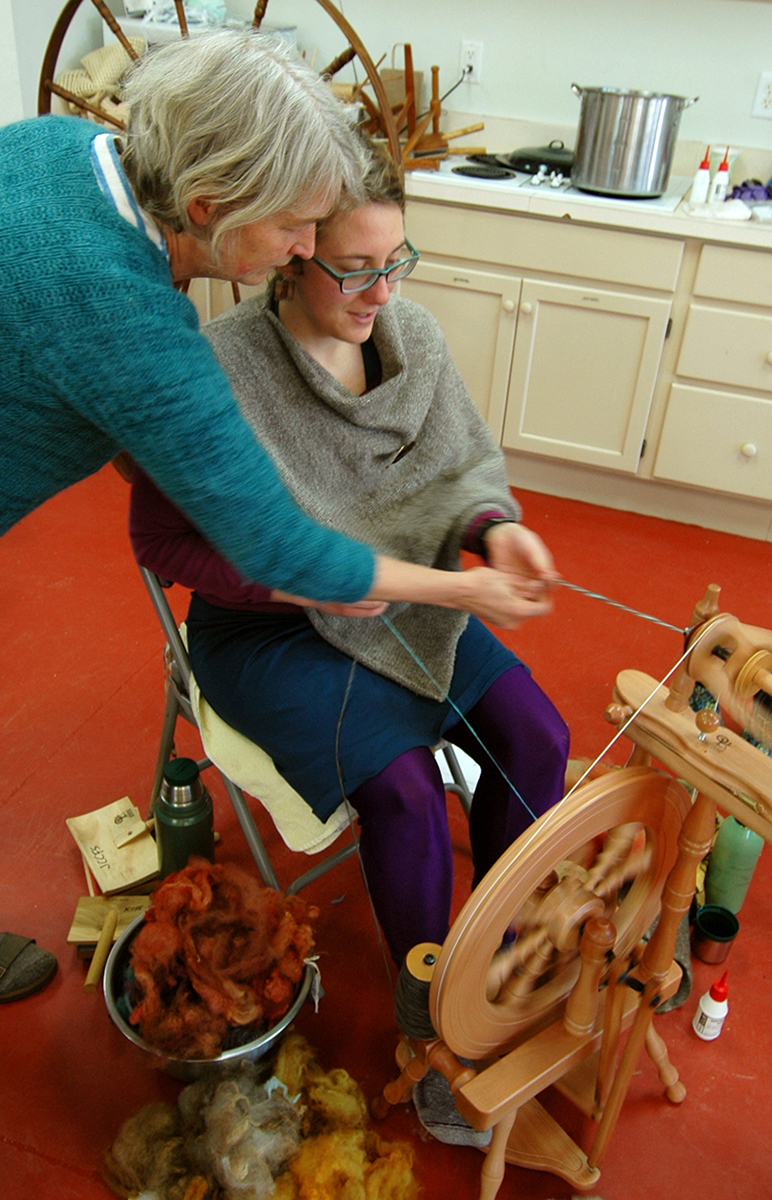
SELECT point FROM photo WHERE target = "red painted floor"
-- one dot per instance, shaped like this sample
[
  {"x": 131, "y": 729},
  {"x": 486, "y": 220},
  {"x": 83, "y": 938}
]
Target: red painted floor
[{"x": 80, "y": 707}]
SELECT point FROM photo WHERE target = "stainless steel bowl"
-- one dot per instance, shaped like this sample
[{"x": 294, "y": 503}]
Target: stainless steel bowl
[{"x": 190, "y": 1069}]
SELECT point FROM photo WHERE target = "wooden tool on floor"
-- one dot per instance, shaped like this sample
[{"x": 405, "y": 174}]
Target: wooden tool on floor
[
  {"x": 94, "y": 976},
  {"x": 90, "y": 915}
]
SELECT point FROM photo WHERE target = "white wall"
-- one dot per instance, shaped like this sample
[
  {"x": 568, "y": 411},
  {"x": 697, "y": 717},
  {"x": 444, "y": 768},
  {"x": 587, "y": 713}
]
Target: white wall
[
  {"x": 533, "y": 51},
  {"x": 10, "y": 86},
  {"x": 25, "y": 27}
]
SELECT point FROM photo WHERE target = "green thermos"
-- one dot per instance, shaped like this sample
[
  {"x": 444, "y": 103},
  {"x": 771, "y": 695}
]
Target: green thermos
[
  {"x": 731, "y": 864},
  {"x": 184, "y": 822}
]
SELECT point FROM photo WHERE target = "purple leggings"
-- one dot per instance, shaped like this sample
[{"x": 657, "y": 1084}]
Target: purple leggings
[{"x": 404, "y": 835}]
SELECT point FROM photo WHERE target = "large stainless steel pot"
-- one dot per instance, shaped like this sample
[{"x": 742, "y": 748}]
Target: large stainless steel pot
[{"x": 625, "y": 141}]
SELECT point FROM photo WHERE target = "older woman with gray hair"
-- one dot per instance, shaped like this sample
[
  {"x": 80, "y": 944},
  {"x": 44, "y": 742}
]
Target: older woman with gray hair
[{"x": 234, "y": 149}]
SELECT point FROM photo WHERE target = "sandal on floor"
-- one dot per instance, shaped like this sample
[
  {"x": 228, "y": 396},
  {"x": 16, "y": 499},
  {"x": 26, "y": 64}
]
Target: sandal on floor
[{"x": 24, "y": 967}]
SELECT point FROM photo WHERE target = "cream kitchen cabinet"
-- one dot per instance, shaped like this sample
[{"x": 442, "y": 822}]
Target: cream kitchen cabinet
[
  {"x": 717, "y": 430},
  {"x": 477, "y": 311},
  {"x": 558, "y": 365},
  {"x": 583, "y": 373}
]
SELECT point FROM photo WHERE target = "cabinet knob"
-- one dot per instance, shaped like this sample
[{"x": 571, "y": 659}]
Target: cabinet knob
[
  {"x": 508, "y": 306},
  {"x": 526, "y": 308},
  {"x": 769, "y": 357},
  {"x": 748, "y": 450}
]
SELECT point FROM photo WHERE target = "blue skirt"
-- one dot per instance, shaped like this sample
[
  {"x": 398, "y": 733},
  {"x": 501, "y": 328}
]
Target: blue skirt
[{"x": 275, "y": 680}]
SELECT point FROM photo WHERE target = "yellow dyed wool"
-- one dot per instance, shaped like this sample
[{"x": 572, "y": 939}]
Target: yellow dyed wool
[
  {"x": 348, "y": 1164},
  {"x": 333, "y": 1098}
]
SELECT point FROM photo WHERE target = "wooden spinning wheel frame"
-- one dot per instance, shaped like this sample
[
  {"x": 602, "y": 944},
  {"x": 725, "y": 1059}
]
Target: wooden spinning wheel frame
[
  {"x": 381, "y": 109},
  {"x": 615, "y": 853}
]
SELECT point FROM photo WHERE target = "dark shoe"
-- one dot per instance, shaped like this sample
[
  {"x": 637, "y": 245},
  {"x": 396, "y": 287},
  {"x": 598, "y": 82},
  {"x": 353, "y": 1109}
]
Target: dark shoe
[{"x": 24, "y": 967}]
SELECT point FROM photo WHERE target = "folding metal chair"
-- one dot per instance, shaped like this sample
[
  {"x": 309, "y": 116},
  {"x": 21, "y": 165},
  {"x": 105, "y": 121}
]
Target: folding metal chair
[{"x": 181, "y": 699}]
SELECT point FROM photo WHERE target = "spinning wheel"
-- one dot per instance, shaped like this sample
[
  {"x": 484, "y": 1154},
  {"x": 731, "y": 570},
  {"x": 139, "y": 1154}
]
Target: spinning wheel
[
  {"x": 380, "y": 109},
  {"x": 604, "y": 853},
  {"x": 581, "y": 886}
]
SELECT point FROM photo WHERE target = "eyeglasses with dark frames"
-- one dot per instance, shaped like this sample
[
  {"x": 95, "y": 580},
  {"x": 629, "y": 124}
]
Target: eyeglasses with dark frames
[{"x": 360, "y": 281}]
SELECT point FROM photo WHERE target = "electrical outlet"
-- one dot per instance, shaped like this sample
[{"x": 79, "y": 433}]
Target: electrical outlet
[
  {"x": 471, "y": 61},
  {"x": 762, "y": 105}
]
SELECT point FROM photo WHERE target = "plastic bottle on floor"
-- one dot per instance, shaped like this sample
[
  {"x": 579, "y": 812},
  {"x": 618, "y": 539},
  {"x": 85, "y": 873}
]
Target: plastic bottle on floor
[{"x": 711, "y": 1010}]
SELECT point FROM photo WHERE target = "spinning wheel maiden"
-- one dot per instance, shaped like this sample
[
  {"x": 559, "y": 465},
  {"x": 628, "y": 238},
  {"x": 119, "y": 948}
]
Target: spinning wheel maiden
[
  {"x": 379, "y": 108},
  {"x": 581, "y": 886}
]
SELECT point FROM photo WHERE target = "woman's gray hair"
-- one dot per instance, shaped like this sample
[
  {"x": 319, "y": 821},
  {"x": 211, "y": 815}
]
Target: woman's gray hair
[{"x": 239, "y": 119}]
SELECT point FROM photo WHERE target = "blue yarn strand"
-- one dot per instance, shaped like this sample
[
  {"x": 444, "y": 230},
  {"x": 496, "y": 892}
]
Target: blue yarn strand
[{"x": 457, "y": 710}]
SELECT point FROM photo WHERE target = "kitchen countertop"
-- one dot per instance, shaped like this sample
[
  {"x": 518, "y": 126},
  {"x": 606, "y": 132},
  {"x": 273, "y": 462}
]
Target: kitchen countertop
[{"x": 445, "y": 187}]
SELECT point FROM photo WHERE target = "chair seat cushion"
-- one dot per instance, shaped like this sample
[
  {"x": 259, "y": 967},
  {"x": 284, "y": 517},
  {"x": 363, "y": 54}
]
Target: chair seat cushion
[{"x": 254, "y": 772}]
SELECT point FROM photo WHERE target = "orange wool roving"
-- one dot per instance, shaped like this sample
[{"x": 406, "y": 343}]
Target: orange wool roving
[{"x": 218, "y": 949}]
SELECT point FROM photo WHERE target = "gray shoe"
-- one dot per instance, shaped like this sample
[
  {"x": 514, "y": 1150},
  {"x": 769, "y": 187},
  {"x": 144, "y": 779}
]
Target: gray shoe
[
  {"x": 438, "y": 1114},
  {"x": 24, "y": 967}
]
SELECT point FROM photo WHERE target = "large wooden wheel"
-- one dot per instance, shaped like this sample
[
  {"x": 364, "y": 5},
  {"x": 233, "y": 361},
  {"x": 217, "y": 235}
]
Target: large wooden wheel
[
  {"x": 605, "y": 851},
  {"x": 380, "y": 108}
]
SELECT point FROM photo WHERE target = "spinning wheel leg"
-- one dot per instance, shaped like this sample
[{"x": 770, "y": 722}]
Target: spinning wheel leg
[
  {"x": 495, "y": 1160},
  {"x": 657, "y": 1052},
  {"x": 693, "y": 843}
]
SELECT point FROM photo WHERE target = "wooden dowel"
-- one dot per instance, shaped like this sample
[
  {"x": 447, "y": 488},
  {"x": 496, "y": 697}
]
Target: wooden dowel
[
  {"x": 339, "y": 63},
  {"x": 71, "y": 98},
  {"x": 410, "y": 97},
  {"x": 455, "y": 133},
  {"x": 114, "y": 27},
  {"x": 102, "y": 950},
  {"x": 259, "y": 13},
  {"x": 365, "y": 81},
  {"x": 183, "y": 20}
]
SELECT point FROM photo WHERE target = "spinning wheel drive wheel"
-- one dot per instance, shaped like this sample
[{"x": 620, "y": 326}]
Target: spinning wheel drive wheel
[
  {"x": 605, "y": 851},
  {"x": 380, "y": 109}
]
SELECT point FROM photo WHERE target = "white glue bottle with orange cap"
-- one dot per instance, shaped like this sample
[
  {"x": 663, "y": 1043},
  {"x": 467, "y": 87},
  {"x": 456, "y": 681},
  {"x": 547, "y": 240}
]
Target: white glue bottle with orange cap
[{"x": 711, "y": 1010}]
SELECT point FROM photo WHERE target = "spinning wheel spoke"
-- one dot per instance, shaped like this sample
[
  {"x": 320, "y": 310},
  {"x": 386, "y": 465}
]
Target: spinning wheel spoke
[
  {"x": 636, "y": 863},
  {"x": 551, "y": 919}
]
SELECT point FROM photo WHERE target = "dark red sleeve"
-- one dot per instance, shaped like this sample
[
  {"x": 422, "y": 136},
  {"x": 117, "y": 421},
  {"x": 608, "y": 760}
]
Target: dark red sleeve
[
  {"x": 471, "y": 540},
  {"x": 165, "y": 541}
]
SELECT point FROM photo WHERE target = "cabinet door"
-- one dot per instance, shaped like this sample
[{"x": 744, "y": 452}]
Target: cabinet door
[
  {"x": 583, "y": 373},
  {"x": 477, "y": 311}
]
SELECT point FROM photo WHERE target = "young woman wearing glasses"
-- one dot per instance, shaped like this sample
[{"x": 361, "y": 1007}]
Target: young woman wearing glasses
[{"x": 353, "y": 392}]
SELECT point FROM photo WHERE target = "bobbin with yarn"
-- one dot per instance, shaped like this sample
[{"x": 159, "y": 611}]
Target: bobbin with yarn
[{"x": 411, "y": 999}]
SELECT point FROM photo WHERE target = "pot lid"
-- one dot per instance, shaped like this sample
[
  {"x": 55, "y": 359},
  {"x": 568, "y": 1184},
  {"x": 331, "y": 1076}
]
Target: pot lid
[{"x": 555, "y": 157}]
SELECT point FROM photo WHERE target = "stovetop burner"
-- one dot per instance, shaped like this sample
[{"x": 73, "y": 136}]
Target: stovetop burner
[{"x": 478, "y": 170}]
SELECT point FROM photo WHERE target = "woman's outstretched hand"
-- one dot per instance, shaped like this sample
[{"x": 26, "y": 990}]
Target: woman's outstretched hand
[
  {"x": 504, "y": 598},
  {"x": 520, "y": 553}
]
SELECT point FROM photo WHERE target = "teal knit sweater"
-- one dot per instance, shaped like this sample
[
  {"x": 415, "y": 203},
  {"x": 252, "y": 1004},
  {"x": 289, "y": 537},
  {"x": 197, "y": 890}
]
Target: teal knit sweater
[{"x": 99, "y": 353}]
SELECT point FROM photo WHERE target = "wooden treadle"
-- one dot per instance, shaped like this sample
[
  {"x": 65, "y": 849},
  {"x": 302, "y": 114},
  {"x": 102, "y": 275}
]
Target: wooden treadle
[{"x": 539, "y": 1143}]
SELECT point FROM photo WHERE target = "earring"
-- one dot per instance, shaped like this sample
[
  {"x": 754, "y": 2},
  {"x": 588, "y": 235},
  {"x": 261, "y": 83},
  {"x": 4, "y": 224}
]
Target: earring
[{"x": 284, "y": 287}]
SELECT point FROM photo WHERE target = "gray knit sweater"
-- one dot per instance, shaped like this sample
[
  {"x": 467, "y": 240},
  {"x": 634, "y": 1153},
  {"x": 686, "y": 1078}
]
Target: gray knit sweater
[{"x": 339, "y": 455}]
